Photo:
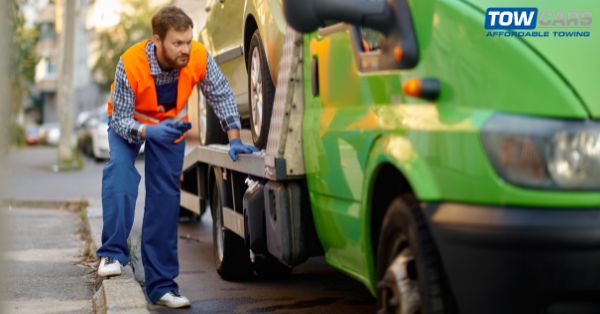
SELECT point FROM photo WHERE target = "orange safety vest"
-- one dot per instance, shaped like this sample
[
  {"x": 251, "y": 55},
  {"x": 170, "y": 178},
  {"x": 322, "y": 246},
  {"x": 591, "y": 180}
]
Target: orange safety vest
[{"x": 137, "y": 70}]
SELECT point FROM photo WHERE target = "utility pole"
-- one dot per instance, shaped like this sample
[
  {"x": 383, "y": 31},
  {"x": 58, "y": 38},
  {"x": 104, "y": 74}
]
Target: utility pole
[{"x": 65, "y": 98}]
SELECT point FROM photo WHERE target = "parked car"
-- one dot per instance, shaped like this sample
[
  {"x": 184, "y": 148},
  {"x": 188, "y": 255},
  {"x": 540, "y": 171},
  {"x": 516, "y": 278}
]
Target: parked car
[
  {"x": 50, "y": 133},
  {"x": 92, "y": 135},
  {"x": 246, "y": 39},
  {"x": 32, "y": 135}
]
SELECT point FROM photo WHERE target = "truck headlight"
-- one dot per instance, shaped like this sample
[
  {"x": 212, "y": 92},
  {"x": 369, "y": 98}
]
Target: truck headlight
[{"x": 544, "y": 153}]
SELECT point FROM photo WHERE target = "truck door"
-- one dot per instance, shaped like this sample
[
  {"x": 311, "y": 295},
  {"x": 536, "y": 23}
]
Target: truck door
[{"x": 350, "y": 81}]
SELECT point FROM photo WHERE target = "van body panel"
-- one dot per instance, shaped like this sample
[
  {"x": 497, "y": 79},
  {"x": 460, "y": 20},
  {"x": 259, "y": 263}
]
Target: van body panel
[
  {"x": 360, "y": 120},
  {"x": 572, "y": 51}
]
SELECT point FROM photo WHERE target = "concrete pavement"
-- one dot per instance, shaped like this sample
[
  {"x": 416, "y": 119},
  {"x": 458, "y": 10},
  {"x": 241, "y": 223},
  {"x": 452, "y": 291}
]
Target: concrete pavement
[
  {"x": 46, "y": 273},
  {"x": 32, "y": 181}
]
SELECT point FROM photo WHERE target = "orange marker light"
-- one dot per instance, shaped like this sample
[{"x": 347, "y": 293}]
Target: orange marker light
[
  {"x": 398, "y": 53},
  {"x": 412, "y": 87}
]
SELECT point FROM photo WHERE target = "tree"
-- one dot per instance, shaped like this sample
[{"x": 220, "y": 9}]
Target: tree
[
  {"x": 134, "y": 26},
  {"x": 24, "y": 57}
]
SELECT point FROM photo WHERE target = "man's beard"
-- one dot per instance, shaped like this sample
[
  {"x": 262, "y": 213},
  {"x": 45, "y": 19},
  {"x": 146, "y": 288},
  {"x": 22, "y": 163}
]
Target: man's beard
[
  {"x": 180, "y": 61},
  {"x": 177, "y": 62}
]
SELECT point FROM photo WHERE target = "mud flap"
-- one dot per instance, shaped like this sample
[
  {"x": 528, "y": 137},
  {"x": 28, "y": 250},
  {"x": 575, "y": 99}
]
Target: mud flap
[{"x": 285, "y": 222}]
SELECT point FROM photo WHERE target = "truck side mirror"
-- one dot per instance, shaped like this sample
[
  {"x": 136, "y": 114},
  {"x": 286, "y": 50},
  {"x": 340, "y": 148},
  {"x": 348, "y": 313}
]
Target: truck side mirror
[
  {"x": 390, "y": 17},
  {"x": 307, "y": 15}
]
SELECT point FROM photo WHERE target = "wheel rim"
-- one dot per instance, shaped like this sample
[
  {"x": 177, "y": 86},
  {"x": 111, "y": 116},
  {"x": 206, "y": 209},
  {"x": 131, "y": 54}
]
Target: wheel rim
[
  {"x": 256, "y": 95},
  {"x": 202, "y": 113},
  {"x": 399, "y": 289}
]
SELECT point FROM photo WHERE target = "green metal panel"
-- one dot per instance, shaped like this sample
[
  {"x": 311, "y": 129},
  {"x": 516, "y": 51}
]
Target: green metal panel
[
  {"x": 501, "y": 74},
  {"x": 575, "y": 58},
  {"x": 359, "y": 121}
]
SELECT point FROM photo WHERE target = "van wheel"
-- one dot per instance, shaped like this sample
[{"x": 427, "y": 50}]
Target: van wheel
[
  {"x": 209, "y": 128},
  {"x": 232, "y": 257},
  {"x": 261, "y": 92},
  {"x": 410, "y": 278}
]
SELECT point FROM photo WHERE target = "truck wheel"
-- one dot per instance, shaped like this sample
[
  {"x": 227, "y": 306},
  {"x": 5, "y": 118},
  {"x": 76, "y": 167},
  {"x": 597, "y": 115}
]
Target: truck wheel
[
  {"x": 269, "y": 267},
  {"x": 232, "y": 257},
  {"x": 209, "y": 128},
  {"x": 260, "y": 90},
  {"x": 410, "y": 278}
]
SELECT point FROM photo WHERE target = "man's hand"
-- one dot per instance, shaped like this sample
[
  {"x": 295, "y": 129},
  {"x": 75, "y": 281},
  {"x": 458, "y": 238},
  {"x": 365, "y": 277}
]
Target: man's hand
[
  {"x": 165, "y": 131},
  {"x": 236, "y": 147},
  {"x": 183, "y": 126}
]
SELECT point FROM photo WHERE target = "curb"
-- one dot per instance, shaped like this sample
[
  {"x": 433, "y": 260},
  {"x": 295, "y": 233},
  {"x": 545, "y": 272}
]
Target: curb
[
  {"x": 122, "y": 294},
  {"x": 44, "y": 203}
]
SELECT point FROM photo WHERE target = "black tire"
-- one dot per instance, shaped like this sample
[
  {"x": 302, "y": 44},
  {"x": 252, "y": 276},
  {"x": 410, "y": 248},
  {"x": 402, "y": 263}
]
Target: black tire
[
  {"x": 209, "y": 128},
  {"x": 232, "y": 257},
  {"x": 268, "y": 267},
  {"x": 88, "y": 149},
  {"x": 262, "y": 97},
  {"x": 405, "y": 234}
]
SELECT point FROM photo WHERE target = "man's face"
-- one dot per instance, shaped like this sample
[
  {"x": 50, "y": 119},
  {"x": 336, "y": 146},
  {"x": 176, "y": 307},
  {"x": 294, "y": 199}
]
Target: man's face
[{"x": 174, "y": 50}]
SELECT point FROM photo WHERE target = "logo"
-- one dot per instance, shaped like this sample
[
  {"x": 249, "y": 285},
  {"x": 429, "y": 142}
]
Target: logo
[
  {"x": 511, "y": 18},
  {"x": 534, "y": 22}
]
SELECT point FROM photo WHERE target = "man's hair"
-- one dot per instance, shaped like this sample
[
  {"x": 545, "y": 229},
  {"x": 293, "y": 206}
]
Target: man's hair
[{"x": 170, "y": 17}]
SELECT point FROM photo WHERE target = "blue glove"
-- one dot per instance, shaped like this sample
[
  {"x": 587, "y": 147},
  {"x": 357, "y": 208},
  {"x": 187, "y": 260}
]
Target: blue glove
[
  {"x": 165, "y": 131},
  {"x": 183, "y": 126},
  {"x": 236, "y": 147}
]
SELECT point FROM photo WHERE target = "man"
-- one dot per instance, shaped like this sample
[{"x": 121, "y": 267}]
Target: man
[{"x": 152, "y": 84}]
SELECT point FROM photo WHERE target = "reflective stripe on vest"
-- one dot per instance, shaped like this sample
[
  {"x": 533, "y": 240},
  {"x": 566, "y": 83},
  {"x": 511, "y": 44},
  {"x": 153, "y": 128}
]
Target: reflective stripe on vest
[{"x": 180, "y": 116}]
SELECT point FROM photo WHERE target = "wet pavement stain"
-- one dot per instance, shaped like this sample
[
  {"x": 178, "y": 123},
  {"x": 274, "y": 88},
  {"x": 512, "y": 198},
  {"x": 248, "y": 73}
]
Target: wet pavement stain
[
  {"x": 208, "y": 306},
  {"x": 361, "y": 301},
  {"x": 295, "y": 306},
  {"x": 233, "y": 289}
]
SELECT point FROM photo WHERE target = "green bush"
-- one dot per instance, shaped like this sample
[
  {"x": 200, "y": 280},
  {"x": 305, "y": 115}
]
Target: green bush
[{"x": 17, "y": 135}]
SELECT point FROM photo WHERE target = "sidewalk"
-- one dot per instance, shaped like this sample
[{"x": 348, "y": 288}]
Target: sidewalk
[
  {"x": 45, "y": 271},
  {"x": 31, "y": 182}
]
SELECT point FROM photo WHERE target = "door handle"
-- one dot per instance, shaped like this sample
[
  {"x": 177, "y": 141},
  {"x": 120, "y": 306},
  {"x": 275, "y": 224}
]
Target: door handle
[
  {"x": 314, "y": 70},
  {"x": 222, "y": 1}
]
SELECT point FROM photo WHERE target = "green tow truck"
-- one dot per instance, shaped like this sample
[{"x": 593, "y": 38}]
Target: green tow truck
[{"x": 448, "y": 170}]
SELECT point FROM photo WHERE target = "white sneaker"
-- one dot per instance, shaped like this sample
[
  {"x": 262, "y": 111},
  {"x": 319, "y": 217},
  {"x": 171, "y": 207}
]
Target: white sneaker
[
  {"x": 173, "y": 300},
  {"x": 109, "y": 266}
]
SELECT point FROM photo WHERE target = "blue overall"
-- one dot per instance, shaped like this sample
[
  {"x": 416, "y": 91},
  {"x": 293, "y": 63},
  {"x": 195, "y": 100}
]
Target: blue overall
[{"x": 159, "y": 229}]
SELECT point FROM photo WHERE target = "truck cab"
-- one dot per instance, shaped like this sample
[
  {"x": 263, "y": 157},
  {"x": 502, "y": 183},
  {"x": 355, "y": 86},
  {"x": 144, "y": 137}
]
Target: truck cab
[{"x": 448, "y": 167}]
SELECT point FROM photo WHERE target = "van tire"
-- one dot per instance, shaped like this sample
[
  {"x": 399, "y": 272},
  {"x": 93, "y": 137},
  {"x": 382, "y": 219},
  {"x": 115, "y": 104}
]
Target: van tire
[
  {"x": 404, "y": 236},
  {"x": 232, "y": 257},
  {"x": 260, "y": 102}
]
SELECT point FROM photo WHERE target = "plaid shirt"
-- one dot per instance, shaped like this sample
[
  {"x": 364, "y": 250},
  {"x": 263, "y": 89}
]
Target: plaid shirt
[{"x": 214, "y": 86}]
